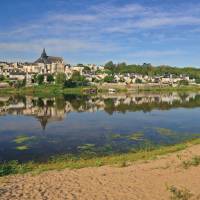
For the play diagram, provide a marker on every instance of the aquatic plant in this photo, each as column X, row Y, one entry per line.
column 136, row 136
column 23, row 138
column 86, row 147
column 74, row 162
column 22, row 148
column 165, row 131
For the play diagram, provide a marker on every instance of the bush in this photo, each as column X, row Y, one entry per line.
column 197, row 81
column 183, row 82
column 109, row 79
column 2, row 78
column 40, row 79
column 138, row 80
column 60, row 78
column 50, row 78
column 70, row 84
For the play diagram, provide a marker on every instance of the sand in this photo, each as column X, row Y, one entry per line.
column 139, row 181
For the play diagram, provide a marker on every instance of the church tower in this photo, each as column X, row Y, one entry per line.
column 44, row 54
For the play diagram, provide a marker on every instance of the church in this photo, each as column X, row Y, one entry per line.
column 45, row 65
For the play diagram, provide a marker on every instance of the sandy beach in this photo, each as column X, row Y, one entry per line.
column 138, row 181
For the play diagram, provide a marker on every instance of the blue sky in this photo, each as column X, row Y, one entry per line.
column 94, row 31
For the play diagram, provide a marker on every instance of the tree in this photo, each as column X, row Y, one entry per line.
column 138, row 80
column 109, row 79
column 20, row 83
column 110, row 65
column 40, row 79
column 70, row 84
column 60, row 78
column 183, row 82
column 123, row 64
column 78, row 79
column 50, row 78
column 2, row 78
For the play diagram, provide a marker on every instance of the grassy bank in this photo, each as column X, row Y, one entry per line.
column 54, row 90
column 189, row 88
column 43, row 90
column 72, row 162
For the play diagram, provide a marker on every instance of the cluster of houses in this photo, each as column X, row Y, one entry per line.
column 52, row 65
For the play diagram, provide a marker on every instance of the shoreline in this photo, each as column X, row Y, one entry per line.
column 73, row 162
column 54, row 90
column 174, row 175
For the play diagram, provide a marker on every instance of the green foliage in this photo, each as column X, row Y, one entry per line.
column 197, row 81
column 86, row 69
column 60, row 78
column 183, row 82
column 109, row 79
column 77, row 77
column 2, row 78
column 65, row 161
column 23, row 138
column 148, row 69
column 50, row 78
column 22, row 148
column 123, row 64
column 20, row 84
column 77, row 80
column 40, row 79
column 165, row 131
column 138, row 80
column 13, row 167
column 70, row 84
column 110, row 66
column 195, row 161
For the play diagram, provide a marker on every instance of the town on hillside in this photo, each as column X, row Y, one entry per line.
column 46, row 68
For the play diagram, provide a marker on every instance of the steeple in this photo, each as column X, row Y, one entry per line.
column 44, row 55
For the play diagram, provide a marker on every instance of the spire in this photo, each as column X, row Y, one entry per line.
column 44, row 54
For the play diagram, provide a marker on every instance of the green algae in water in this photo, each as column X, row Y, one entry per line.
column 116, row 136
column 138, row 136
column 22, row 139
column 135, row 136
column 165, row 131
column 86, row 147
column 22, row 148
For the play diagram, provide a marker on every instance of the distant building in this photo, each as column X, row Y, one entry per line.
column 46, row 65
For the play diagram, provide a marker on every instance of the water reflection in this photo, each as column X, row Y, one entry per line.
column 48, row 110
column 33, row 128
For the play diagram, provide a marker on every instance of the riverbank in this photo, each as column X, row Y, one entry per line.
column 169, row 176
column 75, row 162
column 54, row 90
column 43, row 90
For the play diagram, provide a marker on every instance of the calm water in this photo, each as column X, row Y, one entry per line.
column 34, row 128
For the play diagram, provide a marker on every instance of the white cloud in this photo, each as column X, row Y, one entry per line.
column 156, row 53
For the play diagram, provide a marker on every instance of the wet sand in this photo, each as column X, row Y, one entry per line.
column 139, row 181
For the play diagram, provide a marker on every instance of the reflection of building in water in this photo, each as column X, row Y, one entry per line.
column 48, row 110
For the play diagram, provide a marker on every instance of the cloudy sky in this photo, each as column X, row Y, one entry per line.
column 95, row 31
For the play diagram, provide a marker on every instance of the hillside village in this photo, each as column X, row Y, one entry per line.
column 46, row 68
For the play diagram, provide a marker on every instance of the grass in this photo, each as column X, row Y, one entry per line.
column 72, row 162
column 43, row 90
column 180, row 194
column 195, row 161
column 53, row 90
column 170, row 88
